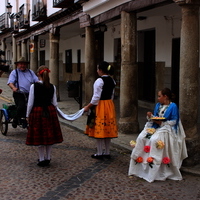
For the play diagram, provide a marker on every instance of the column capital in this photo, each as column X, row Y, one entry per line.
column 54, row 30
column 187, row 2
column 85, row 20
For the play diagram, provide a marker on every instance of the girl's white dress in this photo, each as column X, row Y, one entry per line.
column 166, row 147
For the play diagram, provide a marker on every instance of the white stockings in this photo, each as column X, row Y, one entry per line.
column 42, row 149
column 100, row 143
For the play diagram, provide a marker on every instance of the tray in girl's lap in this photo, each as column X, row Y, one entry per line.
column 158, row 118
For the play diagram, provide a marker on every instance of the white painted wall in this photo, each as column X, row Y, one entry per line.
column 74, row 43
column 94, row 7
column 113, row 31
column 166, row 29
column 50, row 9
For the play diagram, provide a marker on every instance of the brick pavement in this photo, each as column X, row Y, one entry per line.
column 73, row 174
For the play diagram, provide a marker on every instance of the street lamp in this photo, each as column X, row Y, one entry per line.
column 14, row 18
column 9, row 8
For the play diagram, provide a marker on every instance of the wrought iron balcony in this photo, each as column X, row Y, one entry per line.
column 39, row 11
column 63, row 3
column 39, row 14
column 80, row 1
column 14, row 23
column 4, row 22
column 23, row 17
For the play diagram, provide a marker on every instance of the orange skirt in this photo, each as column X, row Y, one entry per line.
column 105, row 125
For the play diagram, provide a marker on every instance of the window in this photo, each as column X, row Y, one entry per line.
column 68, row 61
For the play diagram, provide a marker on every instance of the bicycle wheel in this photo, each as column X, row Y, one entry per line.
column 3, row 123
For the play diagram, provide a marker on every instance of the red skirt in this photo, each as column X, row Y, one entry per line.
column 105, row 125
column 44, row 129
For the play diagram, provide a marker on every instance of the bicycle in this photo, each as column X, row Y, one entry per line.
column 7, row 113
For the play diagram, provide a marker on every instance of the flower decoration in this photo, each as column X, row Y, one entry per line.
column 166, row 160
column 139, row 160
column 133, row 143
column 160, row 144
column 150, row 132
column 150, row 161
column 147, row 149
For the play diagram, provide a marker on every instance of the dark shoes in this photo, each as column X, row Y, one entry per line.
column 43, row 163
column 22, row 122
column 47, row 162
column 107, row 156
column 14, row 123
column 100, row 157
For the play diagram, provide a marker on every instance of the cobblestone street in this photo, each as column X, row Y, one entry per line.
column 74, row 175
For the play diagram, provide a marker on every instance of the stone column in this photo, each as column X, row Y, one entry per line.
column 189, row 78
column 3, row 44
column 34, row 53
column 160, row 66
column 14, row 50
column 19, row 50
column 128, row 122
column 3, row 48
column 90, row 64
column 24, row 49
column 54, row 37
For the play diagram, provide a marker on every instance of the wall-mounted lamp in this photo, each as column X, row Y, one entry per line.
column 13, row 15
column 9, row 8
column 103, row 28
column 14, row 23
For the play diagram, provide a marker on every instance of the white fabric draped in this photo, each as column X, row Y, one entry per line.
column 70, row 117
column 175, row 149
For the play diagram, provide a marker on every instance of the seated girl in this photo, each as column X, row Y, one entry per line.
column 160, row 148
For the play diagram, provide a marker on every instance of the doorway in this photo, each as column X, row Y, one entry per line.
column 146, row 65
column 42, row 57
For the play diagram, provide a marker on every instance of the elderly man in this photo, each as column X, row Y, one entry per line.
column 20, row 81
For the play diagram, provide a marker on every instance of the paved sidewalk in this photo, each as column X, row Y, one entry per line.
column 70, row 106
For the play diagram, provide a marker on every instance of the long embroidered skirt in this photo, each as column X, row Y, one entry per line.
column 44, row 129
column 103, row 124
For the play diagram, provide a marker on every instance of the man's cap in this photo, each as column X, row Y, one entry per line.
column 22, row 60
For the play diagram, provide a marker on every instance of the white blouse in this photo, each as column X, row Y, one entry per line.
column 97, row 90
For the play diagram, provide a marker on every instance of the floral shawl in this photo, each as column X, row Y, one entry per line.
column 172, row 113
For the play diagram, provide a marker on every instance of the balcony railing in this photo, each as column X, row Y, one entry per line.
column 4, row 22
column 23, row 17
column 62, row 3
column 39, row 11
column 80, row 1
column 14, row 23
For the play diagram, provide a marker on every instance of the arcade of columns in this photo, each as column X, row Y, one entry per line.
column 189, row 70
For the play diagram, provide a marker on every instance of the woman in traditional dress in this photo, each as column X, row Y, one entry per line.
column 44, row 128
column 101, row 122
column 160, row 148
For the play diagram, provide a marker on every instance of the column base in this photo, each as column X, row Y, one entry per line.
column 193, row 146
column 125, row 126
